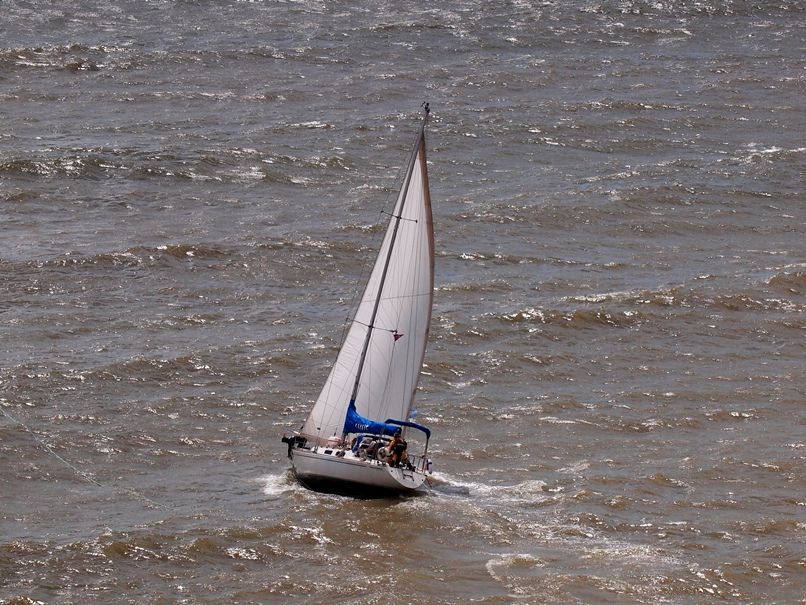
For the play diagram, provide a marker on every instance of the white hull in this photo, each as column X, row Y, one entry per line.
column 352, row 475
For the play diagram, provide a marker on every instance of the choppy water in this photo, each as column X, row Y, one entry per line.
column 616, row 375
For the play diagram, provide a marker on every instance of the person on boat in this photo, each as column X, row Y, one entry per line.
column 372, row 448
column 397, row 448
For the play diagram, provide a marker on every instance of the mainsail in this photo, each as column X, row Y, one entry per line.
column 399, row 295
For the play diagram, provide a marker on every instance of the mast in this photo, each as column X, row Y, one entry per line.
column 397, row 219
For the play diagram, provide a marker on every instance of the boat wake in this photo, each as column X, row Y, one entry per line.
column 278, row 484
column 526, row 491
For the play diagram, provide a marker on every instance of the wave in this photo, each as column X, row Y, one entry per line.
column 626, row 105
column 309, row 243
column 127, row 57
column 680, row 10
column 217, row 165
column 771, row 527
column 188, row 250
column 131, row 257
column 145, row 370
column 89, row 167
column 279, row 484
column 686, row 297
column 792, row 282
column 494, row 286
column 755, row 155
column 631, row 210
column 576, row 319
column 72, row 57
column 532, row 490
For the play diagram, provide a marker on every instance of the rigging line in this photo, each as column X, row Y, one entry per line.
column 86, row 476
column 361, row 323
column 402, row 218
column 399, row 297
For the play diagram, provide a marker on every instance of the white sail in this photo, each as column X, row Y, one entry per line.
column 398, row 338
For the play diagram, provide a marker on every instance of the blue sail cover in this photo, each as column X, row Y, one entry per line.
column 356, row 423
column 414, row 425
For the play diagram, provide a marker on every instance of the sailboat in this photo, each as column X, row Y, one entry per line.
column 355, row 438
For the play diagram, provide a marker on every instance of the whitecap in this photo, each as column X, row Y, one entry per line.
column 276, row 485
column 510, row 560
column 526, row 491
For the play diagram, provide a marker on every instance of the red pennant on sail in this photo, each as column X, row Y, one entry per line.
column 397, row 336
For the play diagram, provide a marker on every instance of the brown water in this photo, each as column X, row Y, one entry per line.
column 615, row 379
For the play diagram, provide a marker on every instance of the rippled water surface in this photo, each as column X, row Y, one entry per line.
column 189, row 197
